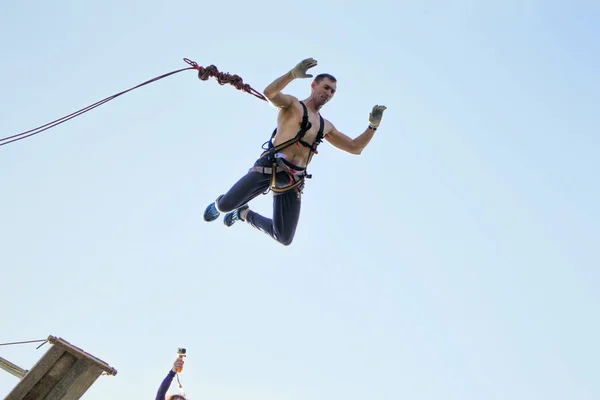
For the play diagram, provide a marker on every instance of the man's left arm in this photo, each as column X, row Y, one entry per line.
column 357, row 145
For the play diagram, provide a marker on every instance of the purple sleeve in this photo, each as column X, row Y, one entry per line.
column 164, row 386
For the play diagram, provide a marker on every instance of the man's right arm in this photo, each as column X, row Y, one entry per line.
column 273, row 91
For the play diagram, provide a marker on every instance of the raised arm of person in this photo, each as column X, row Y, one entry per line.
column 166, row 383
column 358, row 144
column 273, row 91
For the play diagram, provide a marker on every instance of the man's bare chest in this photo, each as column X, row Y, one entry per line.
column 292, row 127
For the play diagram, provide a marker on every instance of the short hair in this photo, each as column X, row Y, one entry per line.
column 176, row 397
column 320, row 77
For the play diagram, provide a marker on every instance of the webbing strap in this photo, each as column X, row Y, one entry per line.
column 273, row 170
column 305, row 125
column 284, row 189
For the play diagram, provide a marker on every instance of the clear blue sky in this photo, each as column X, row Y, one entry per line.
column 456, row 258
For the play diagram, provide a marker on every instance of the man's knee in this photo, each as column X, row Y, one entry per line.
column 285, row 238
column 286, row 241
column 224, row 204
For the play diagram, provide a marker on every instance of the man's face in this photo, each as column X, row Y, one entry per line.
column 323, row 91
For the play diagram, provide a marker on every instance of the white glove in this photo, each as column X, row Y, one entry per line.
column 299, row 71
column 376, row 115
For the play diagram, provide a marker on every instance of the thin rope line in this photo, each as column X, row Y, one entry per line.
column 24, row 342
column 204, row 73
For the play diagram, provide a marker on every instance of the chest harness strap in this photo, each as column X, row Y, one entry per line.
column 271, row 150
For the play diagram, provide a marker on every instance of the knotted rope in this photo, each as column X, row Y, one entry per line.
column 204, row 73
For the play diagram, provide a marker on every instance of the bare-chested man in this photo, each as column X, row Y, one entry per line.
column 282, row 167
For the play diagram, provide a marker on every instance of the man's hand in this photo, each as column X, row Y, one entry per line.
column 376, row 115
column 178, row 365
column 299, row 71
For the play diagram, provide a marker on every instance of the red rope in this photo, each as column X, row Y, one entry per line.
column 224, row 78
column 203, row 74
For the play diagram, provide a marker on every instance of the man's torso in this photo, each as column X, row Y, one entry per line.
column 288, row 125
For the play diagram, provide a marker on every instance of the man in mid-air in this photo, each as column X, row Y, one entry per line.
column 281, row 168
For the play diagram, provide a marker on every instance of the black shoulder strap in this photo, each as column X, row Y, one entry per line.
column 321, row 128
column 305, row 125
column 320, row 135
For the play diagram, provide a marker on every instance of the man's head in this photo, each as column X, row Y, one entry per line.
column 176, row 397
column 323, row 89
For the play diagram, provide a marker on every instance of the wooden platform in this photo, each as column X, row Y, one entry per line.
column 65, row 372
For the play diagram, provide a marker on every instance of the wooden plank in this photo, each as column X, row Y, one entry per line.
column 83, row 383
column 37, row 372
column 81, row 353
column 52, row 377
column 76, row 381
column 65, row 372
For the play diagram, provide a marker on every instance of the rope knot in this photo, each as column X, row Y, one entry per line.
column 194, row 64
column 223, row 78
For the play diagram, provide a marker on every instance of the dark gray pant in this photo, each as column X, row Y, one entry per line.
column 286, row 206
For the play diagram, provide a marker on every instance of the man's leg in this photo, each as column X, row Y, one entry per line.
column 286, row 214
column 245, row 189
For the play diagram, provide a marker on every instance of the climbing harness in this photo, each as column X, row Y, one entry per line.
column 204, row 73
column 279, row 164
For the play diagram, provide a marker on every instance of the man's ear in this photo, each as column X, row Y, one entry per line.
column 312, row 85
